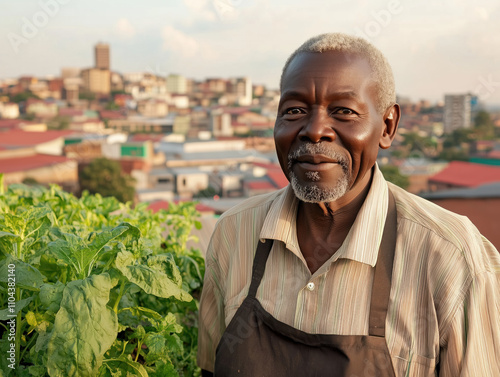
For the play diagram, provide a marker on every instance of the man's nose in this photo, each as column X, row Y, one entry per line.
column 318, row 128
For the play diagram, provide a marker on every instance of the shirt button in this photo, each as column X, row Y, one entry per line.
column 310, row 286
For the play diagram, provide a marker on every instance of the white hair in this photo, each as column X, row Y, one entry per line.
column 381, row 70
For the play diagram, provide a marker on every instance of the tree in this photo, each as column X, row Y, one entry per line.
column 393, row 175
column 86, row 95
column 414, row 142
column 208, row 192
column 22, row 97
column 59, row 123
column 483, row 125
column 105, row 177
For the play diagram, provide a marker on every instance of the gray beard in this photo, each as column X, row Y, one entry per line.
column 312, row 193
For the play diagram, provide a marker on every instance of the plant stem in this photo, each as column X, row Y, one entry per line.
column 139, row 347
column 19, row 254
column 18, row 329
column 2, row 191
column 28, row 346
column 120, row 294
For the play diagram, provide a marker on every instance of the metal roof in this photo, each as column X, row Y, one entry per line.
column 490, row 190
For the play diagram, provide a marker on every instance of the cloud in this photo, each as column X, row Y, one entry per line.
column 203, row 9
column 176, row 41
column 124, row 28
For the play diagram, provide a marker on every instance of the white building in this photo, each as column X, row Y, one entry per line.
column 176, row 84
column 9, row 110
column 458, row 111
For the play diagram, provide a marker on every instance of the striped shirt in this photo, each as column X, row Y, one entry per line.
column 444, row 310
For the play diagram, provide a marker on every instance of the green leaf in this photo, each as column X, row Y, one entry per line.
column 76, row 252
column 51, row 296
column 31, row 319
column 174, row 343
column 169, row 324
column 6, row 242
column 53, row 269
column 27, row 276
column 156, row 343
column 152, row 282
column 166, row 263
column 140, row 312
column 139, row 333
column 37, row 370
column 7, row 314
column 164, row 369
column 84, row 328
column 126, row 367
column 197, row 225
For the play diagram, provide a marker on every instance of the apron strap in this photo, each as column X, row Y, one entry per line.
column 259, row 265
column 381, row 288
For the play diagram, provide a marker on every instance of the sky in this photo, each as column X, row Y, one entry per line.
column 435, row 47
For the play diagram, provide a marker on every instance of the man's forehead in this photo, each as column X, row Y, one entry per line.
column 316, row 62
column 350, row 73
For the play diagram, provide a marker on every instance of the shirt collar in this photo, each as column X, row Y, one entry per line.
column 363, row 240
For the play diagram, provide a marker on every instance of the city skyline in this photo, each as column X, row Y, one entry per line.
column 435, row 48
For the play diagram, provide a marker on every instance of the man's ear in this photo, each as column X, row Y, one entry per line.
column 391, row 121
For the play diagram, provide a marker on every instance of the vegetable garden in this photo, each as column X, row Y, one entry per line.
column 99, row 289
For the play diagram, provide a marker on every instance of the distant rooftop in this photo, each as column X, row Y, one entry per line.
column 11, row 165
column 15, row 123
column 490, row 190
column 466, row 174
column 19, row 138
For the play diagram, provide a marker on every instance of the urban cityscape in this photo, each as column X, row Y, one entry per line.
column 177, row 139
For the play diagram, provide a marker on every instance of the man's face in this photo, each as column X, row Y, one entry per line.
column 327, row 130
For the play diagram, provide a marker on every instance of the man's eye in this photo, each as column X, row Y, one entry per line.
column 344, row 111
column 293, row 111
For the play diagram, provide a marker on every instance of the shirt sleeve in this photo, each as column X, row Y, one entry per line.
column 473, row 338
column 211, row 324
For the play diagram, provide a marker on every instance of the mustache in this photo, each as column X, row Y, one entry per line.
column 312, row 149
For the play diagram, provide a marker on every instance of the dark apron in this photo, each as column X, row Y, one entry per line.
column 256, row 344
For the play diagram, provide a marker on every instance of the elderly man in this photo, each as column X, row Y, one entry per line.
column 341, row 273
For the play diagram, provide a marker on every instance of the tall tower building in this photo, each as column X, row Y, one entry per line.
column 102, row 56
column 458, row 110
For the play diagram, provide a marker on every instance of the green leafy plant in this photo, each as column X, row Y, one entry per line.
column 101, row 289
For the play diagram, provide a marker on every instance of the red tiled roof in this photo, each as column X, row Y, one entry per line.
column 123, row 96
column 267, row 166
column 229, row 138
column 260, row 185
column 11, row 165
column 162, row 204
column 146, row 137
column 494, row 154
column 467, row 174
column 274, row 173
column 70, row 112
column 25, row 138
column 278, row 178
column 111, row 114
column 14, row 123
column 254, row 124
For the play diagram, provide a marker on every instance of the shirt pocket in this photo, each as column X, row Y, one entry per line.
column 414, row 366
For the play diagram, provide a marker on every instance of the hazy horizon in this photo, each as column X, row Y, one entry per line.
column 435, row 47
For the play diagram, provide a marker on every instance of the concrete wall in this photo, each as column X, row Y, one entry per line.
column 64, row 174
column 484, row 213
